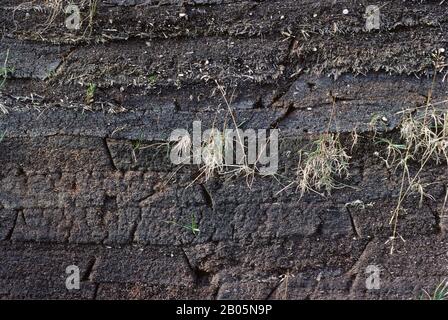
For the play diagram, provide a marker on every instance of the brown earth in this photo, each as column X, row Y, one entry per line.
column 71, row 191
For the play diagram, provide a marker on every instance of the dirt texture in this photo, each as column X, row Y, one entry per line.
column 75, row 189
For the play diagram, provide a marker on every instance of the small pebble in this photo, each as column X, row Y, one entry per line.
column 345, row 11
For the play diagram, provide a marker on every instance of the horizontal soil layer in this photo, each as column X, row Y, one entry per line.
column 85, row 173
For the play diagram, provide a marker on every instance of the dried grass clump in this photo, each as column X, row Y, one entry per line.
column 426, row 135
column 318, row 168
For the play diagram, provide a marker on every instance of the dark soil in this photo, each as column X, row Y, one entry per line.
column 71, row 191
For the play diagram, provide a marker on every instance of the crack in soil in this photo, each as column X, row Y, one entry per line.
column 208, row 197
column 353, row 223
column 89, row 269
column 109, row 154
column 11, row 231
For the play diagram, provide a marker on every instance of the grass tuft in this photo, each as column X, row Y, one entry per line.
column 317, row 168
column 440, row 292
column 5, row 71
column 90, row 93
column 192, row 226
column 426, row 135
column 2, row 136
